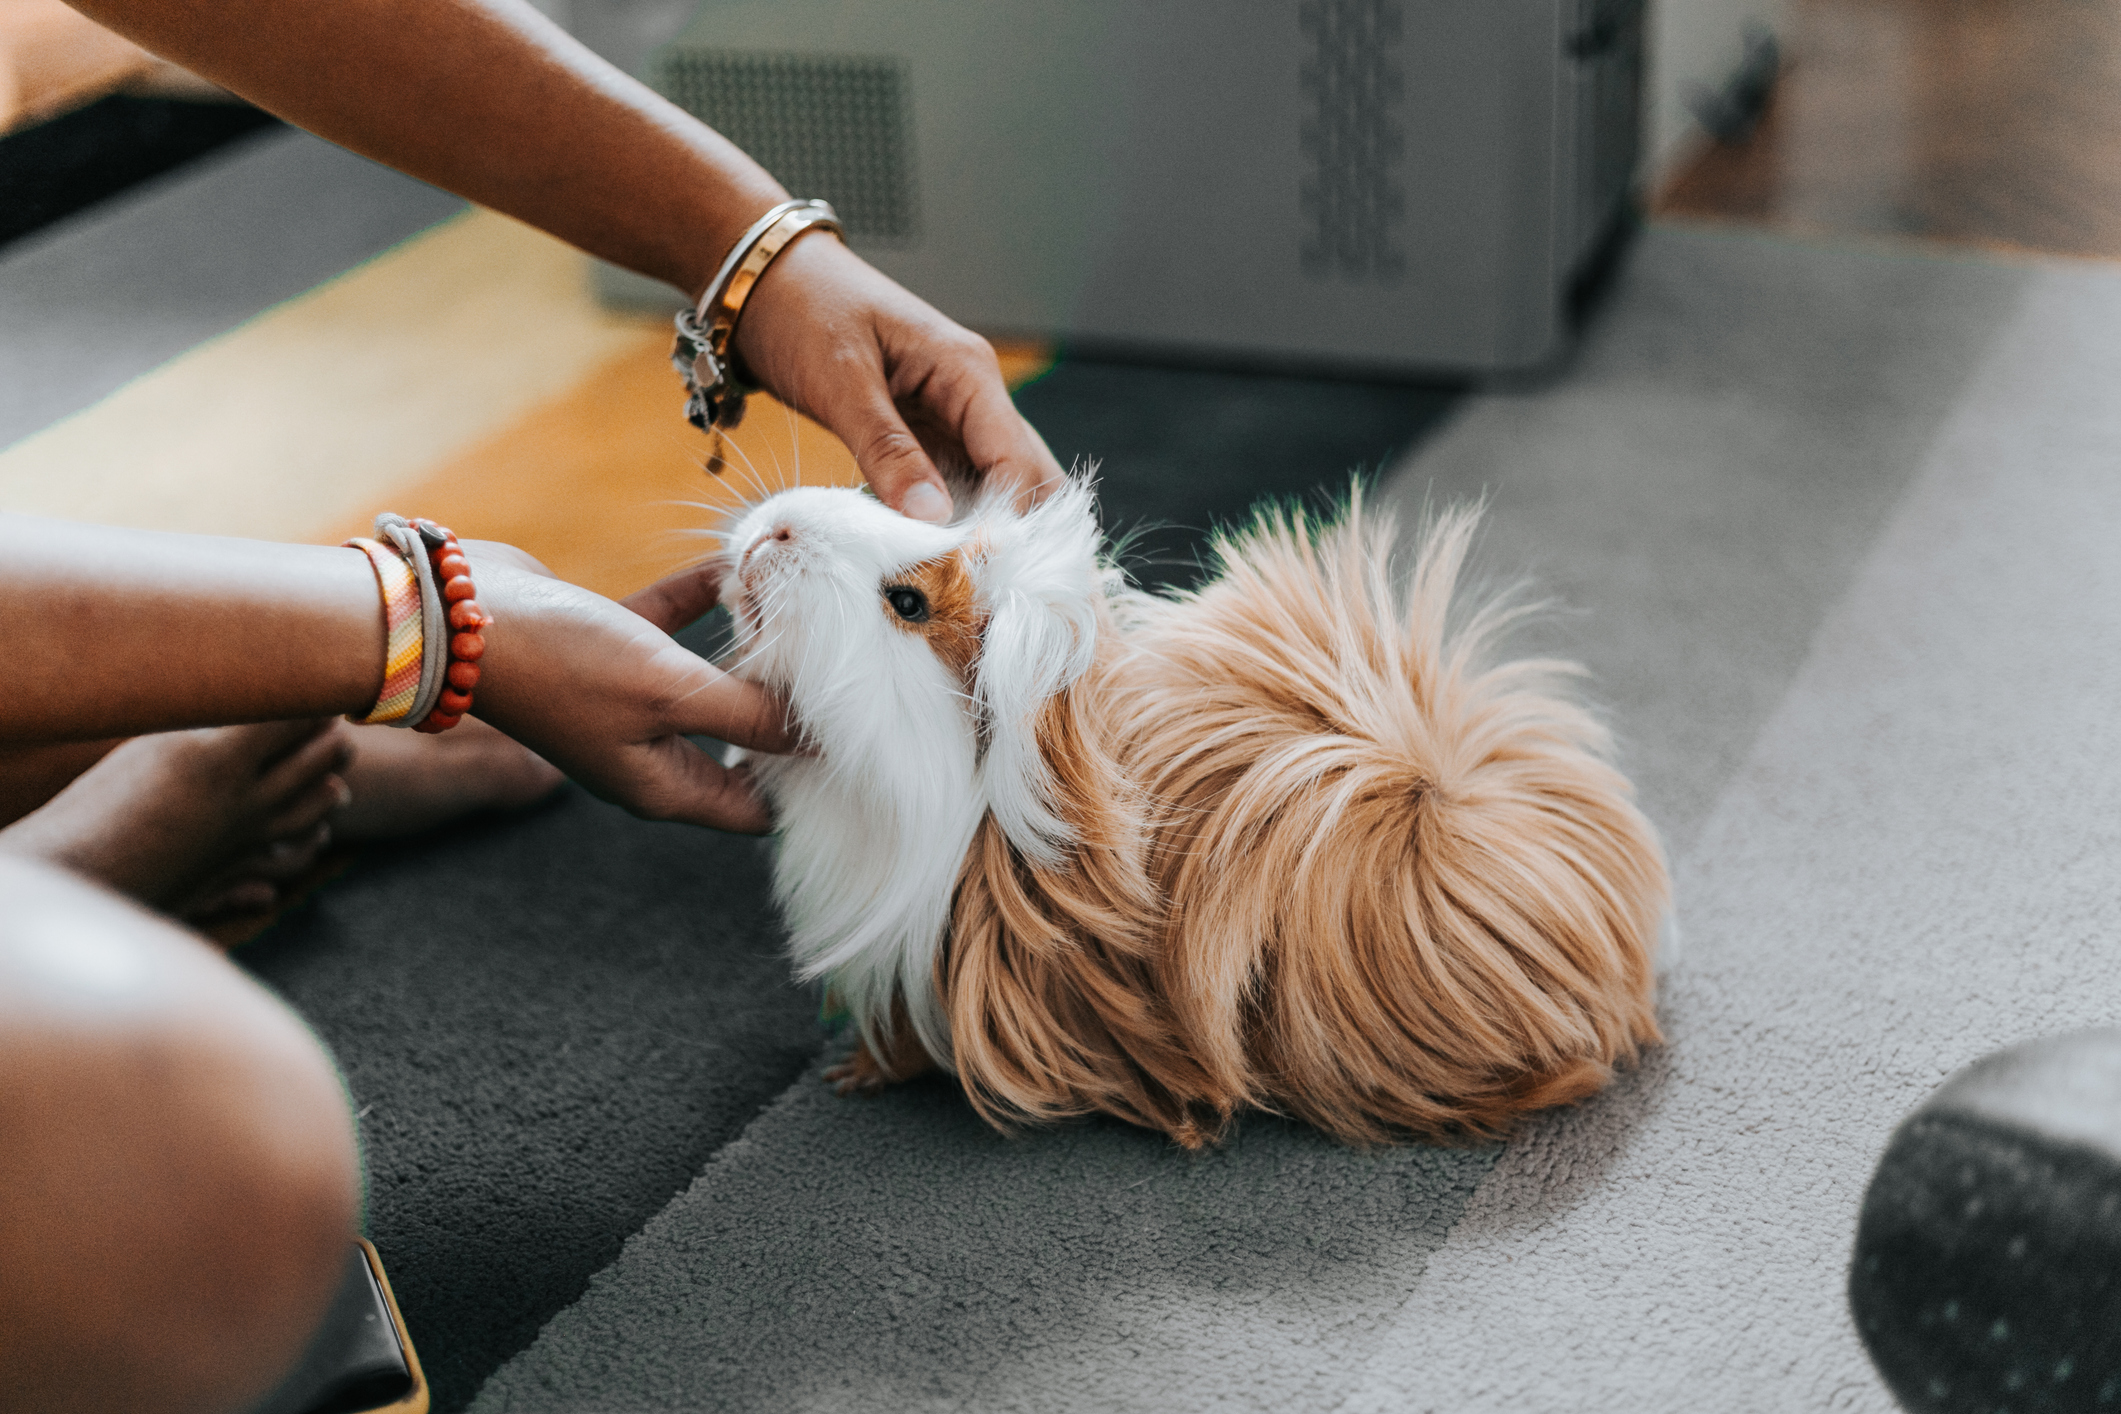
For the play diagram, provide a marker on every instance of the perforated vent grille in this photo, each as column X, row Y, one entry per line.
column 1353, row 83
column 829, row 127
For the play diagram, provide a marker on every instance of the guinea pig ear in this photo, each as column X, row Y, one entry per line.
column 1043, row 588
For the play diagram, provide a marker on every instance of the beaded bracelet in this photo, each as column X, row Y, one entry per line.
column 467, row 624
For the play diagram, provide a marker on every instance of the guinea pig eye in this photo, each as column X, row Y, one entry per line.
column 908, row 603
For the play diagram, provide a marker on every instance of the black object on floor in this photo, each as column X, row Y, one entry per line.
column 361, row 1361
column 77, row 159
column 1987, row 1271
column 551, row 1024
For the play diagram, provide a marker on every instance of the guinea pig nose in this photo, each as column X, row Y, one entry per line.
column 782, row 532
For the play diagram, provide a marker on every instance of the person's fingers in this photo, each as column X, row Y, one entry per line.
column 691, row 786
column 679, row 599
column 890, row 456
column 1008, row 450
column 735, row 711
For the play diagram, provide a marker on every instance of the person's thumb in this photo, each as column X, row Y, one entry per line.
column 893, row 463
column 680, row 599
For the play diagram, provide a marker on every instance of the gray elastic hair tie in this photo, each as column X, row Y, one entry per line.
column 434, row 618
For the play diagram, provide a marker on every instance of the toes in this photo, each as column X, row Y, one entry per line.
column 309, row 809
column 256, row 750
column 290, row 856
column 327, row 752
column 527, row 779
column 404, row 782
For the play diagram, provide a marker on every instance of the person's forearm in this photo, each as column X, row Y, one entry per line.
column 109, row 632
column 486, row 98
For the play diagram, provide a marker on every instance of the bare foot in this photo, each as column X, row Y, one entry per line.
column 218, row 825
column 197, row 822
column 405, row 781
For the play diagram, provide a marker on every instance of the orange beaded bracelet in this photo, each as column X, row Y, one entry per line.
column 467, row 624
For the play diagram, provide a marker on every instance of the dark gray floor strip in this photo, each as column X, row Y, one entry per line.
column 548, row 1025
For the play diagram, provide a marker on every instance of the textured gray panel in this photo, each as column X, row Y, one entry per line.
column 826, row 126
column 1366, row 182
column 1354, row 138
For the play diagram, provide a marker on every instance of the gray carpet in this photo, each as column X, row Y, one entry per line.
column 1918, row 860
column 1840, row 524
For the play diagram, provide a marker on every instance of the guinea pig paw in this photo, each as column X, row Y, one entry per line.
column 859, row 1074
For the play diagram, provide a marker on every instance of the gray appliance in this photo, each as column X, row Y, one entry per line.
column 1411, row 186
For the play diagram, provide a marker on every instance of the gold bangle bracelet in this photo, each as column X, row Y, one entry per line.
column 703, row 357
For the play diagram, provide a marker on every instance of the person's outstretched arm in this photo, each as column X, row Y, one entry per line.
column 118, row 632
column 494, row 102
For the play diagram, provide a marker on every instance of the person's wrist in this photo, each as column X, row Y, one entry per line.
column 517, row 599
column 703, row 248
column 806, row 291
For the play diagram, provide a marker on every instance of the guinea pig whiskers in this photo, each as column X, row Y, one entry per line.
column 780, row 473
column 750, row 468
column 697, row 531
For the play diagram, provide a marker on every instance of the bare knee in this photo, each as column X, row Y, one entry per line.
column 178, row 1180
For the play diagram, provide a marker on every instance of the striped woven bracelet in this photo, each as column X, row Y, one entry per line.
column 404, row 639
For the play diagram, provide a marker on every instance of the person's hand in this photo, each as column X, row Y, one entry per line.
column 902, row 386
column 600, row 690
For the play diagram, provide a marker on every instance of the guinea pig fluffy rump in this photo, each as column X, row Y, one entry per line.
column 1300, row 840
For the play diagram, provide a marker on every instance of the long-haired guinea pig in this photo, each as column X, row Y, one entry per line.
column 1297, row 841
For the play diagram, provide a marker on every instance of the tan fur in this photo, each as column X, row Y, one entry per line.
column 1333, row 860
column 1050, row 976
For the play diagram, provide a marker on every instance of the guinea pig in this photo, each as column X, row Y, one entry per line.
column 1300, row 840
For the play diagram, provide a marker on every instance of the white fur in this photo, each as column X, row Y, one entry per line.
column 875, row 825
column 1041, row 583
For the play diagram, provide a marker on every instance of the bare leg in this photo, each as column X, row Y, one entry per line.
column 32, row 775
column 178, row 1178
